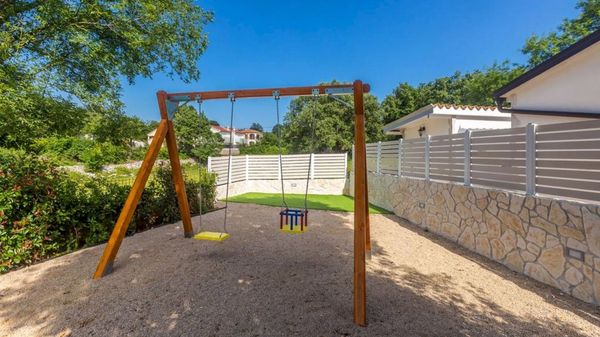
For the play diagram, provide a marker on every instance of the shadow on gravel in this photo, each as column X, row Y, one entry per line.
column 550, row 294
column 259, row 283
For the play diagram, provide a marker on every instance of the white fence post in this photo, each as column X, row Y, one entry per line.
column 378, row 161
column 530, row 159
column 280, row 167
column 400, row 157
column 209, row 164
column 427, row 142
column 352, row 158
column 467, row 168
column 312, row 166
column 247, row 166
column 346, row 164
column 229, row 169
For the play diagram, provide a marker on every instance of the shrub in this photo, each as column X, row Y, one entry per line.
column 45, row 211
column 262, row 149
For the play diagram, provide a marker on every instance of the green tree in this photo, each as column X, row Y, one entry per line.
column 323, row 124
column 474, row 88
column 540, row 48
column 194, row 136
column 277, row 128
column 62, row 59
column 269, row 144
column 82, row 48
column 26, row 117
column 257, row 127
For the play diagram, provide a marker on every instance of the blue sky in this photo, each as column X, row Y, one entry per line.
column 255, row 44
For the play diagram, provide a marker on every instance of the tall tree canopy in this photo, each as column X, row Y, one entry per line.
column 257, row 127
column 474, row 88
column 322, row 124
column 539, row 48
column 83, row 47
column 194, row 136
column 59, row 55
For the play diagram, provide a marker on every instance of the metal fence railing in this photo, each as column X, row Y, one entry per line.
column 555, row 159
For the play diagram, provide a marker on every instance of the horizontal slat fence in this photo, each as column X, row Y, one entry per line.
column 556, row 159
column 266, row 167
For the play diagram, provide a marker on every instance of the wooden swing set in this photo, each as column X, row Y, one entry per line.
column 168, row 104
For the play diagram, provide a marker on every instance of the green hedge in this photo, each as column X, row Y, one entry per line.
column 45, row 212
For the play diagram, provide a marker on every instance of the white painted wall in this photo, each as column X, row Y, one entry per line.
column 519, row 120
column 573, row 85
column 460, row 125
column 434, row 126
column 445, row 125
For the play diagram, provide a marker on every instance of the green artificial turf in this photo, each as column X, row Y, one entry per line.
column 315, row 201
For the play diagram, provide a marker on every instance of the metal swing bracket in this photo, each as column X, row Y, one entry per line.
column 276, row 94
column 172, row 107
column 339, row 91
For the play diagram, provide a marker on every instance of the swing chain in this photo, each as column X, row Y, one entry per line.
column 276, row 96
column 199, row 100
column 231, row 97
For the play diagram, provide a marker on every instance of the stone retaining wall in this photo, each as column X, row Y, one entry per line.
column 297, row 186
column 530, row 235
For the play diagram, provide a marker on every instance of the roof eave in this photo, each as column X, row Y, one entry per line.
column 553, row 61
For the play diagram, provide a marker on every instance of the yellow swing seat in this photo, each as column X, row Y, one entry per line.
column 211, row 236
column 295, row 230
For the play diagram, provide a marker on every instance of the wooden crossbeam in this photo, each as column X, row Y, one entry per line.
column 256, row 93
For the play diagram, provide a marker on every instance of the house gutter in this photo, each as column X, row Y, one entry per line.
column 501, row 100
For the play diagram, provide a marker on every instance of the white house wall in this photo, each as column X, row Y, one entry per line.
column 435, row 126
column 571, row 86
column 461, row 124
column 519, row 120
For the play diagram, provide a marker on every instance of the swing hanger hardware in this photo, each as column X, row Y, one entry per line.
column 276, row 94
column 316, row 92
column 231, row 96
column 339, row 91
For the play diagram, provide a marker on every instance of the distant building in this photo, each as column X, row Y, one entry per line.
column 564, row 88
column 238, row 138
column 445, row 119
column 251, row 136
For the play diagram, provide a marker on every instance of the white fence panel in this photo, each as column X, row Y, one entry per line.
column 388, row 163
column 446, row 157
column 330, row 165
column 568, row 160
column 498, row 158
column 372, row 157
column 413, row 158
column 266, row 167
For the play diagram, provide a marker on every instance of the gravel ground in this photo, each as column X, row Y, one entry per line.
column 263, row 283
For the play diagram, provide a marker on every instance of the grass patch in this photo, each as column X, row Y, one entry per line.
column 341, row 203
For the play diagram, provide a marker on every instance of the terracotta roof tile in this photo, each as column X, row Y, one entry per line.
column 464, row 107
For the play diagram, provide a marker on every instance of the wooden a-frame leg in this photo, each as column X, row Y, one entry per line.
column 178, row 181
column 368, row 218
column 114, row 242
column 360, row 209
